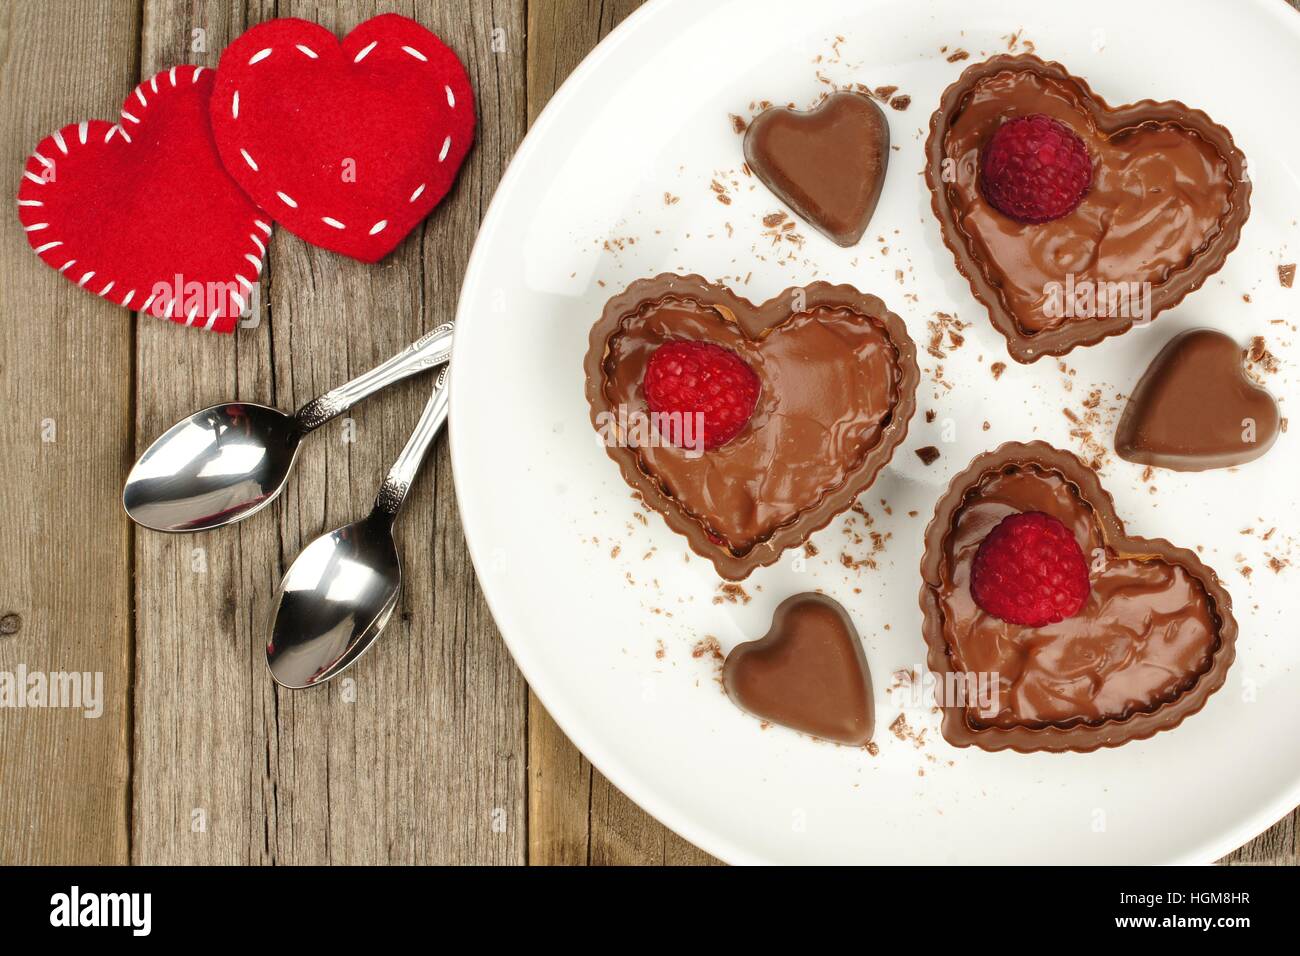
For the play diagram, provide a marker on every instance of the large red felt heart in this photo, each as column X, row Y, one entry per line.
column 142, row 211
column 347, row 145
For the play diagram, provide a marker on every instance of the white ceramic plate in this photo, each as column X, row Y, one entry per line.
column 606, row 638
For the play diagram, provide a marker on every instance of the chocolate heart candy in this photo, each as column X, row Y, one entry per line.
column 827, row 164
column 808, row 672
column 838, row 380
column 1195, row 408
column 1166, row 205
column 1152, row 643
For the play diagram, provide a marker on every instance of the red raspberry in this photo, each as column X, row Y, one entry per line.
column 1035, row 169
column 690, row 377
column 1029, row 570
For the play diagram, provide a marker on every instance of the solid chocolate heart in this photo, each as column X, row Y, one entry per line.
column 1152, row 643
column 1195, row 408
column 1168, row 198
column 827, row 164
column 838, row 380
column 808, row 672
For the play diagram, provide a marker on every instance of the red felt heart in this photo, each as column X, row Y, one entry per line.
column 142, row 212
column 347, row 145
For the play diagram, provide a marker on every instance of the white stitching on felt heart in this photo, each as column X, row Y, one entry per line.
column 82, row 132
column 382, row 224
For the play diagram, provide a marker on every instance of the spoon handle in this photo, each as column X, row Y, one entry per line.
column 398, row 482
column 431, row 349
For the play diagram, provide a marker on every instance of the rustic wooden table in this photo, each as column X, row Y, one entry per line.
column 436, row 752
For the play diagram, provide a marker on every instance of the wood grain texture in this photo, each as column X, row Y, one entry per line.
column 417, row 755
column 65, row 438
column 431, row 749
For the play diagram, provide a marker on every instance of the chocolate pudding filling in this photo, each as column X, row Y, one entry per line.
column 1151, row 643
column 1159, row 194
column 1145, row 636
column 1165, row 206
column 830, row 382
column 837, row 378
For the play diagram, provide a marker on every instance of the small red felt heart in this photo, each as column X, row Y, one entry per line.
column 142, row 212
column 346, row 145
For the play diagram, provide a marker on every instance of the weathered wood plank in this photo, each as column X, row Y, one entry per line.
column 197, row 596
column 417, row 755
column 1278, row 846
column 65, row 387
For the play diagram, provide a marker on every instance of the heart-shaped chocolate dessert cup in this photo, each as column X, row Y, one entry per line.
column 808, row 672
column 1195, row 408
column 838, row 376
column 1169, row 196
column 827, row 164
column 1153, row 641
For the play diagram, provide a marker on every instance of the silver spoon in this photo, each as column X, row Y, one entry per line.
column 341, row 590
column 229, row 461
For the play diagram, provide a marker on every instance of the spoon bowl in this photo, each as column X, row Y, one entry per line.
column 231, row 460
column 335, row 599
column 218, row 466
column 339, row 593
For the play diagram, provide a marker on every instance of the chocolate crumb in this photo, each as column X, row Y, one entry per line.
column 1259, row 355
column 901, row 103
column 928, row 455
column 902, row 731
column 738, row 125
column 1286, row 274
column 956, row 56
column 885, row 92
column 873, row 748
column 930, row 415
column 810, row 549
column 708, row 645
column 732, row 593
column 997, row 368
